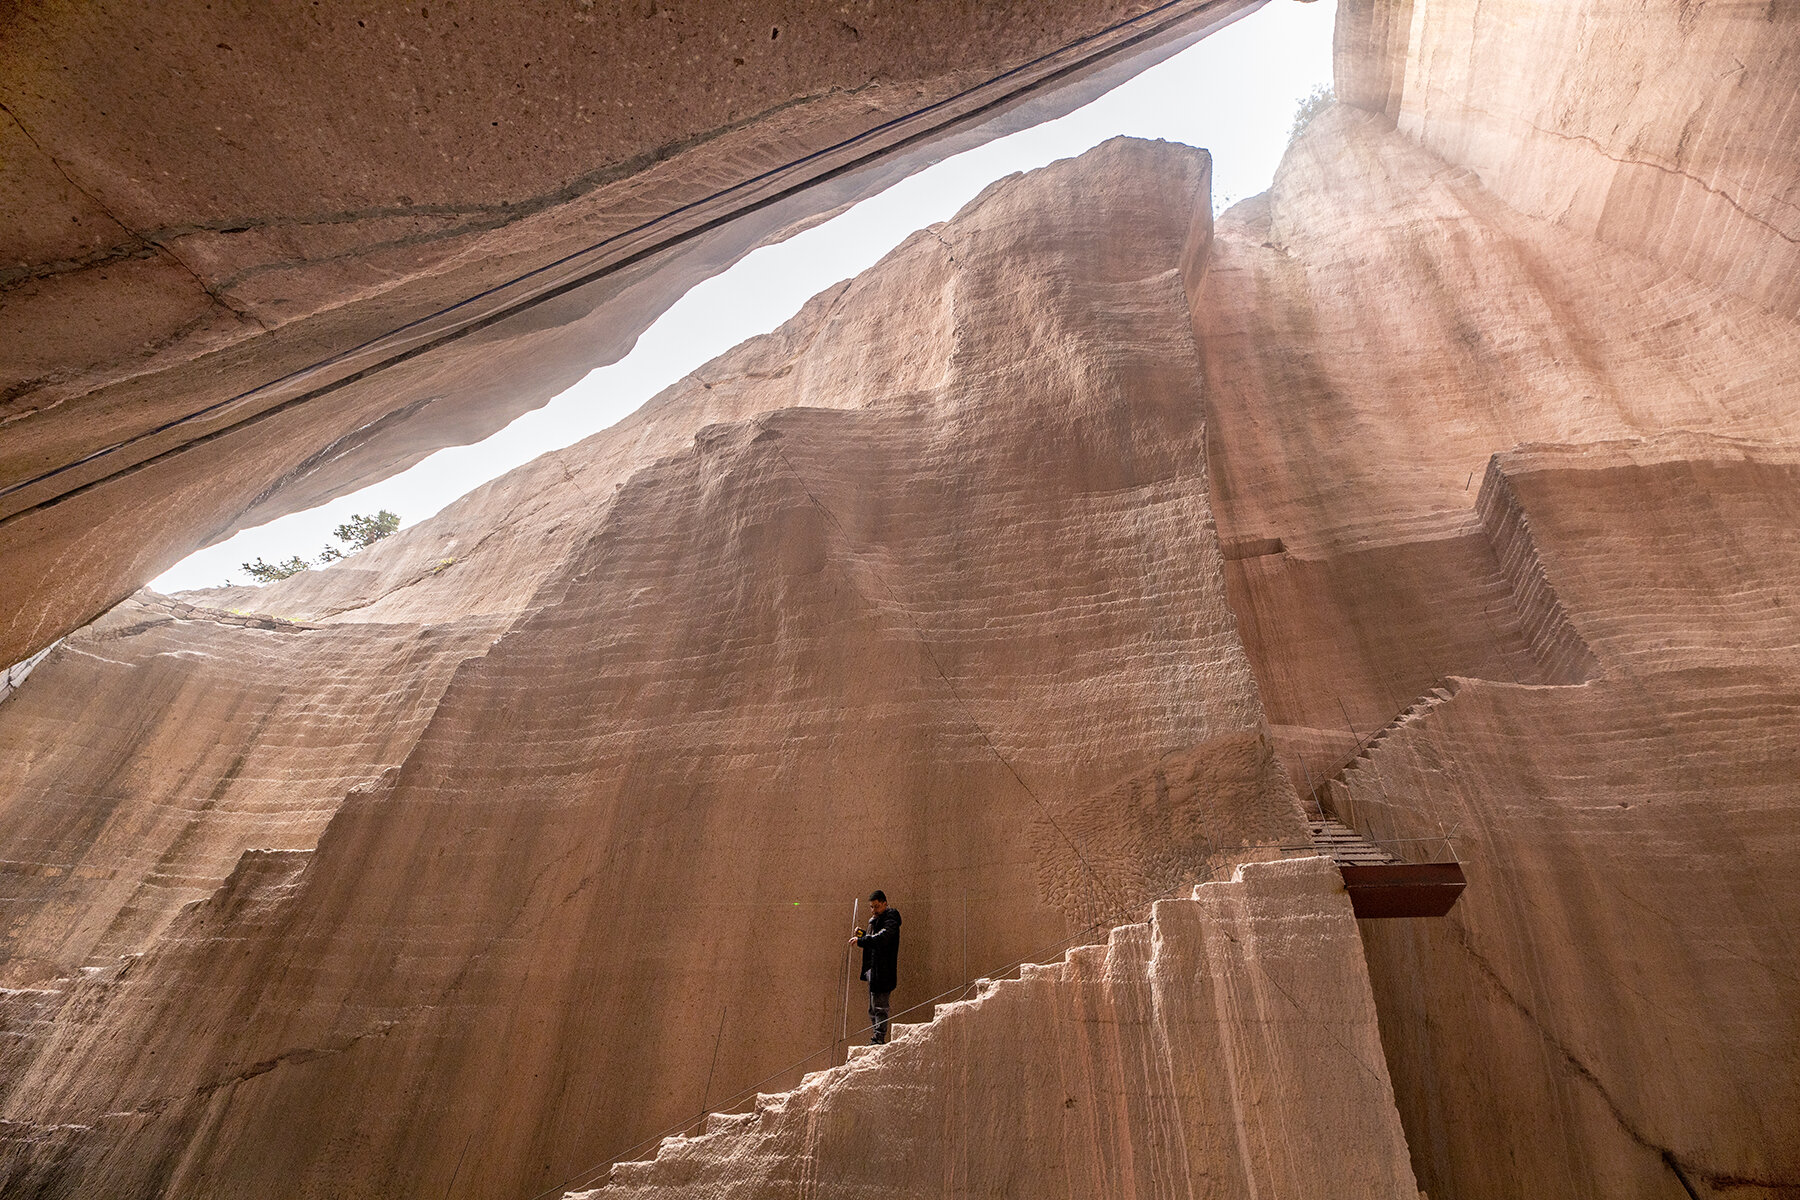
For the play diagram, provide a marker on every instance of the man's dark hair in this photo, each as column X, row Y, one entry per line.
column 878, row 894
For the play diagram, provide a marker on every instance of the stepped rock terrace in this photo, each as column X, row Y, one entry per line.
column 1096, row 569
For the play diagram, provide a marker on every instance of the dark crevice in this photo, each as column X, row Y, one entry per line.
column 141, row 246
column 1680, row 1176
column 12, row 278
column 1684, row 1173
column 1710, row 190
column 67, row 178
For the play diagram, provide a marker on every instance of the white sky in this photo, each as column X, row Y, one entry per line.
column 1234, row 93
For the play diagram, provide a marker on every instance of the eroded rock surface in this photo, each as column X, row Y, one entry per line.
column 1227, row 1047
column 1048, row 568
column 249, row 261
column 759, row 664
column 1632, row 842
column 1514, row 503
column 1665, row 129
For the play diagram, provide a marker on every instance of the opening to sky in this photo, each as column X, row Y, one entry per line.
column 1234, row 93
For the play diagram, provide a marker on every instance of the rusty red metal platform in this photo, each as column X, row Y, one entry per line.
column 1402, row 889
column 1381, row 885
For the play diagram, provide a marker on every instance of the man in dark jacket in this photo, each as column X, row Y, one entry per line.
column 880, row 961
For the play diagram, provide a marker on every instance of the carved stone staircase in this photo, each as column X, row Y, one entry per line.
column 1381, row 883
column 1412, row 714
column 1181, row 1057
column 1344, row 846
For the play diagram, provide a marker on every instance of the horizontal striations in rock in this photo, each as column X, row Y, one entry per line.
column 1227, row 1047
column 252, row 262
column 1667, row 552
column 490, row 550
column 1028, row 576
column 1509, row 516
column 115, row 815
column 1337, row 316
column 1669, row 130
column 1620, row 969
column 947, row 617
column 149, row 752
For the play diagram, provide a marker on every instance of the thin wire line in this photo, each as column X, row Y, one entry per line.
column 718, row 1037
column 477, row 324
column 591, row 1173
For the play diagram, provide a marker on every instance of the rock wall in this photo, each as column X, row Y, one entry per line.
column 1666, row 129
column 1377, row 292
column 160, row 746
column 1465, row 456
column 1033, row 575
column 239, row 732
column 1630, row 844
column 252, row 261
column 1227, row 1047
column 763, row 666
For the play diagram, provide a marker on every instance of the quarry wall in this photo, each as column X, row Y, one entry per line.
column 255, row 260
column 1039, row 575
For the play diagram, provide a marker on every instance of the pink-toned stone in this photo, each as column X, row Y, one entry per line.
column 788, row 637
column 1226, row 1048
column 249, row 262
column 1670, row 130
column 1032, row 575
column 1534, row 494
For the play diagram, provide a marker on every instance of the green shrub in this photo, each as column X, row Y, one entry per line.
column 264, row 572
column 1311, row 105
column 358, row 533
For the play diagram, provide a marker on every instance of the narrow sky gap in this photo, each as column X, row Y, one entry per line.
column 1234, row 93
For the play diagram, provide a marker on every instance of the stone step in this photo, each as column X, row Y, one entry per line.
column 727, row 1122
column 1090, row 960
column 1086, row 962
column 1128, row 948
column 783, row 1125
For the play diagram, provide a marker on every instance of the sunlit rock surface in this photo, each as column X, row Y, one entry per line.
column 1620, row 977
column 1225, row 1048
column 1667, row 129
column 170, row 740
column 1051, row 567
column 946, row 615
column 250, row 260
column 1534, row 496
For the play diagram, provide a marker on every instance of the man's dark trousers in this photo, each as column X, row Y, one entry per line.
column 878, row 1015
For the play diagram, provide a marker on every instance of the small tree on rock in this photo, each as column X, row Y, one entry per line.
column 264, row 572
column 1311, row 105
column 358, row 533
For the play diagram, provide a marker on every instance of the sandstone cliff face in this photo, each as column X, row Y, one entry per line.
column 1226, row 1047
column 1664, row 129
column 779, row 659
column 229, row 737
column 1586, row 640
column 1634, row 838
column 249, row 261
column 1373, row 332
column 1032, row 575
